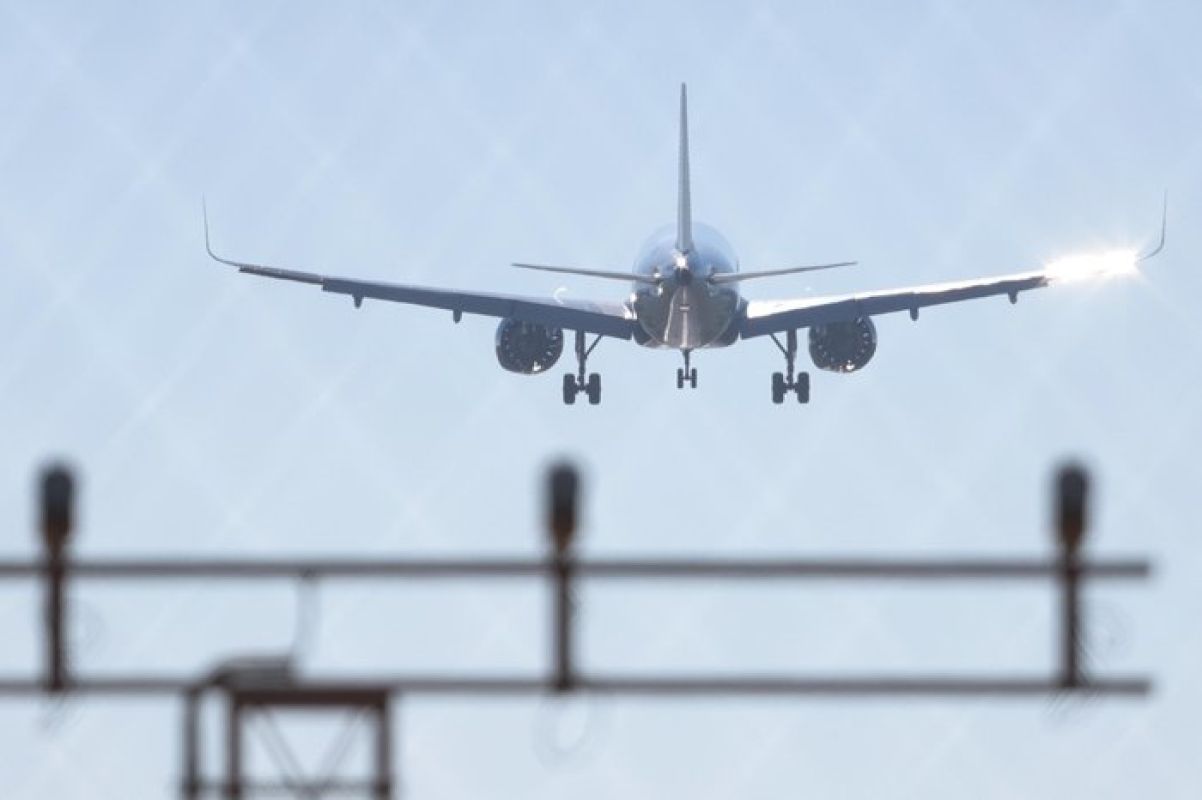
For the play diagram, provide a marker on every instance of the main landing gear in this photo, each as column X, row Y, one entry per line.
column 688, row 374
column 783, row 383
column 579, row 383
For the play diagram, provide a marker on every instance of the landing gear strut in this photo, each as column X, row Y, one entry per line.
column 783, row 383
column 688, row 374
column 581, row 382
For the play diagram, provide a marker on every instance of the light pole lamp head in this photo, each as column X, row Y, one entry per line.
column 1072, row 506
column 57, row 506
column 563, row 486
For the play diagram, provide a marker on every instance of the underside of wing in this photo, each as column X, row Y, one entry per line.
column 601, row 318
column 605, row 319
column 764, row 317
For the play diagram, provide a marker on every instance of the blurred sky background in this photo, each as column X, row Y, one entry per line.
column 436, row 142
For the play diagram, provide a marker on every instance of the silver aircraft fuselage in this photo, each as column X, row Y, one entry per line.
column 683, row 310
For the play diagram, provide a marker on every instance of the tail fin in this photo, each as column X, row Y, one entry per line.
column 684, row 212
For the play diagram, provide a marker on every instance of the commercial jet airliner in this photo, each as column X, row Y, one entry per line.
column 685, row 296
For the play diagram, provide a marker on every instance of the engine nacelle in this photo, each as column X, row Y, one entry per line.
column 843, row 346
column 527, row 347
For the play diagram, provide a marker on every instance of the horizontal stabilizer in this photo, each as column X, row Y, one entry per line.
column 591, row 273
column 736, row 277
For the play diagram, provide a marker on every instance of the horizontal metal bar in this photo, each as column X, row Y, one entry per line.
column 290, row 788
column 336, row 695
column 685, row 568
column 942, row 686
column 628, row 685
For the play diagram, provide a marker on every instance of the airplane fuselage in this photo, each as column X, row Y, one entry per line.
column 684, row 310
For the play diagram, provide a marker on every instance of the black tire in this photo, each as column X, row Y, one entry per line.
column 593, row 389
column 679, row 378
column 693, row 377
column 803, row 387
column 778, row 387
column 569, row 389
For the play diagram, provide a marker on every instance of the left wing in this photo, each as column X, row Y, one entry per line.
column 603, row 319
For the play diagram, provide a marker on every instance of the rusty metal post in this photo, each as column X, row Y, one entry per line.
column 1072, row 494
column 563, row 487
column 191, row 782
column 383, row 756
column 57, row 521
column 233, row 748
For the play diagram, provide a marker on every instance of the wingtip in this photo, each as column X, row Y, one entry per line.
column 204, row 214
column 1164, row 226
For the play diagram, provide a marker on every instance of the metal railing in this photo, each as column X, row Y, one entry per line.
column 251, row 687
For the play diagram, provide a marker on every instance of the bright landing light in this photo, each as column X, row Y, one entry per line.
column 1093, row 265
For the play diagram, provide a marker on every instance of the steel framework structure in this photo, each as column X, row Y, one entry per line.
column 250, row 689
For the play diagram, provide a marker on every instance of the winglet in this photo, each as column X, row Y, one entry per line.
column 1164, row 223
column 684, row 211
column 204, row 211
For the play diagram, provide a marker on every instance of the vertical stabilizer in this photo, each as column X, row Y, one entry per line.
column 684, row 212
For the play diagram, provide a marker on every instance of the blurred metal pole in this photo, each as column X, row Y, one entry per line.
column 563, row 487
column 384, row 774
column 1072, row 494
column 192, row 762
column 58, row 513
column 233, row 748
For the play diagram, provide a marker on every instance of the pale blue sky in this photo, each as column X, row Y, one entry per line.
column 434, row 143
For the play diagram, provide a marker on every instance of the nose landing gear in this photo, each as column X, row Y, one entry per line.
column 582, row 382
column 783, row 383
column 687, row 374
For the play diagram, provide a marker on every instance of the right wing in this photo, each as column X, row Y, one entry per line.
column 774, row 316
column 601, row 318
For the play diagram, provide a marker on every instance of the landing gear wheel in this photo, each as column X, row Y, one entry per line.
column 803, row 387
column 778, row 388
column 687, row 373
column 580, row 383
column 784, row 382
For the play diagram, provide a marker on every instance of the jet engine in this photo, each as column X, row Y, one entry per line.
column 527, row 347
column 843, row 346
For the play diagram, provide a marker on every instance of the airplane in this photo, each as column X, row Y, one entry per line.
column 685, row 296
